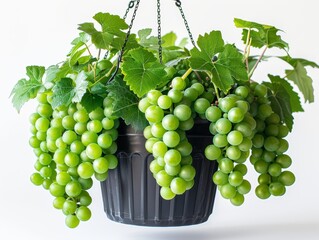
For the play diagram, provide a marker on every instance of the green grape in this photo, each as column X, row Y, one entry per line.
column 63, row 178
column 220, row 140
column 81, row 116
column 163, row 179
column 153, row 96
column 271, row 143
column 94, row 126
column 57, row 190
column 73, row 189
column 172, row 170
column 187, row 172
column 164, row 102
column 238, row 200
column 104, row 140
column 71, row 159
column 190, row 94
column 154, row 114
column 85, row 170
column 68, row 122
column 242, row 91
column 241, row 168
column 244, row 187
column 100, row 165
column 201, row 105
column 212, row 152
column 261, row 166
column 226, row 165
column 93, row 151
column 36, row 179
column 170, row 122
column 85, row 198
column 166, row 193
column 45, row 110
column 175, row 95
column 72, row 221
column 171, row 139
column 185, row 148
column 235, row 138
column 235, row 178
column 223, row 126
column 287, row 178
column 213, row 113
column 182, row 112
column 264, row 178
column 186, row 125
column 172, row 157
column 97, row 114
column 178, row 83
column 220, row 178
column 69, row 207
column 228, row 191
column 284, row 160
column 236, row 115
column 233, row 153
column 147, row 132
column 108, row 123
column 274, row 169
column 77, row 147
column 86, row 184
column 42, row 124
column 69, row 136
column 157, row 130
column 226, row 103
column 58, row 202
column 159, row 149
column 262, row 191
column 178, row 185
column 277, row 189
column 83, row 213
column 155, row 167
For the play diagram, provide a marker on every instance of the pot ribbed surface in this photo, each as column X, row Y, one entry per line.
column 131, row 195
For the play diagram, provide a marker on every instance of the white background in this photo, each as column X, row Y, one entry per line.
column 37, row 32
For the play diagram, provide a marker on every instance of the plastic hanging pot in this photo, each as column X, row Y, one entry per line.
column 131, row 195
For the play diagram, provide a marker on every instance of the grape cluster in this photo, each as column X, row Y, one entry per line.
column 170, row 114
column 269, row 147
column 243, row 126
column 72, row 146
column 232, row 128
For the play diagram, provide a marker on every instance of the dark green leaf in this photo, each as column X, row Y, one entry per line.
column 25, row 89
column 142, row 72
column 294, row 99
column 63, row 93
column 111, row 34
column 228, row 66
column 300, row 77
column 91, row 101
column 99, row 89
column 125, row 104
column 261, row 34
column 80, row 87
column 293, row 61
column 280, row 103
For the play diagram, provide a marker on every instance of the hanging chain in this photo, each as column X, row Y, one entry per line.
column 130, row 5
column 159, row 32
column 178, row 4
column 128, row 33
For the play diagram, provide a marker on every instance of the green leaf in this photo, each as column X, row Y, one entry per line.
column 51, row 73
column 80, row 87
column 98, row 88
column 125, row 104
column 91, row 101
column 24, row 90
column 169, row 39
column 74, row 58
column 111, row 34
column 228, row 66
column 142, row 72
column 146, row 40
column 300, row 77
column 294, row 99
column 63, row 93
column 293, row 61
column 260, row 34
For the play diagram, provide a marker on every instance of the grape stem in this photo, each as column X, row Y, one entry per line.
column 258, row 61
column 216, row 91
column 189, row 71
column 247, row 50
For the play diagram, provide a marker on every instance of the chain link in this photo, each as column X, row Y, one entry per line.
column 178, row 4
column 128, row 33
column 130, row 5
column 159, row 32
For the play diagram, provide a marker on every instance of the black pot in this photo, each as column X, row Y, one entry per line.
column 131, row 195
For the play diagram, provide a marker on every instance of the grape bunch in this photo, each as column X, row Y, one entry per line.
column 243, row 126
column 269, row 147
column 232, row 128
column 170, row 114
column 72, row 146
